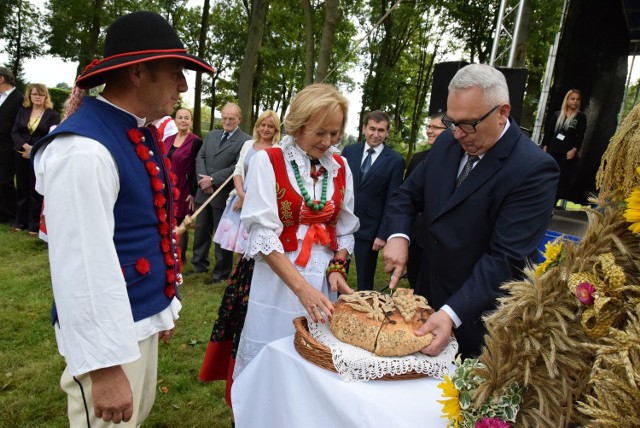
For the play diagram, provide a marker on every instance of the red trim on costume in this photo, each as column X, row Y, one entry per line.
column 291, row 211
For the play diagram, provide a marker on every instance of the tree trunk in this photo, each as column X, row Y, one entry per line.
column 332, row 16
column 422, row 88
column 90, row 51
column 309, row 61
column 15, row 64
column 254, row 40
column 213, row 103
column 523, row 36
column 197, row 99
column 383, row 60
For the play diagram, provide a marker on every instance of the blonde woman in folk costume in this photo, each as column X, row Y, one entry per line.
column 219, row 360
column 299, row 214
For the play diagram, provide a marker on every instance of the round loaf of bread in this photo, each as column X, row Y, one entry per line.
column 380, row 323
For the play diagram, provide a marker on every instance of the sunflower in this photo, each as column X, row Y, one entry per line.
column 552, row 256
column 451, row 404
column 632, row 213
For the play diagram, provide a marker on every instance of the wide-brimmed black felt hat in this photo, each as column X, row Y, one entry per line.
column 134, row 38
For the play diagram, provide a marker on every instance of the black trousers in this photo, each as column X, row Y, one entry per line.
column 207, row 223
column 7, row 183
column 28, row 201
column 366, row 262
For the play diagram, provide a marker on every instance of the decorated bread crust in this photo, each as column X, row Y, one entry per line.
column 380, row 323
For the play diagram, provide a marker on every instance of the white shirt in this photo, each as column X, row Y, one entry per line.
column 4, row 95
column 377, row 150
column 79, row 180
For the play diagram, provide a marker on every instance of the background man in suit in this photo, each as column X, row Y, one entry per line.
column 487, row 192
column 10, row 102
column 434, row 129
column 377, row 172
column 215, row 162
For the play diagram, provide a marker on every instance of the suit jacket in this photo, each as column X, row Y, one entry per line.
column 218, row 162
column 416, row 159
column 372, row 193
column 480, row 235
column 8, row 112
column 20, row 133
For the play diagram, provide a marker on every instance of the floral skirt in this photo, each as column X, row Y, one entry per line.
column 219, row 359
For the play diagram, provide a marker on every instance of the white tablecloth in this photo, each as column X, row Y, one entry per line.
column 281, row 389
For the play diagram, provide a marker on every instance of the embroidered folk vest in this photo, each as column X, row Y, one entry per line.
column 144, row 210
column 290, row 201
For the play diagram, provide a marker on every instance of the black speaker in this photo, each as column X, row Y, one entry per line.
column 443, row 72
column 516, row 81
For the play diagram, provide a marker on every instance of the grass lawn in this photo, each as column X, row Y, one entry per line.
column 31, row 366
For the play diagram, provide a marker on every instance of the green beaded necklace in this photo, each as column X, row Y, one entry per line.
column 305, row 195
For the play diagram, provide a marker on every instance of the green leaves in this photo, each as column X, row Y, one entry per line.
column 505, row 406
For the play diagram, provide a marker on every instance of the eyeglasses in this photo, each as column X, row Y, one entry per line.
column 435, row 127
column 468, row 128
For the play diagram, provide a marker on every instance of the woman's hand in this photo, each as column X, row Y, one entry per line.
column 26, row 154
column 191, row 203
column 572, row 153
column 338, row 283
column 237, row 205
column 317, row 304
column 313, row 301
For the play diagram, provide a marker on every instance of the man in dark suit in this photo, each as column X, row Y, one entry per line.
column 215, row 162
column 10, row 101
column 377, row 171
column 487, row 192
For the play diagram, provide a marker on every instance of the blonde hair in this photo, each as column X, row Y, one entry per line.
column 276, row 122
column 41, row 88
column 565, row 119
column 315, row 98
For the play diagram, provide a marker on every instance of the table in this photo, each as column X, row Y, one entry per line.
column 279, row 388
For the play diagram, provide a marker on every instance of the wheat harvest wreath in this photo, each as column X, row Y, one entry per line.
column 563, row 346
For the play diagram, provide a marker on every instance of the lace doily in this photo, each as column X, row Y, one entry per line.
column 356, row 364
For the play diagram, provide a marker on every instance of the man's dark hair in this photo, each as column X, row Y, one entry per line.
column 377, row 116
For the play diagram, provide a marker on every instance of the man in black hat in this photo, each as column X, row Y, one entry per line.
column 110, row 212
column 10, row 101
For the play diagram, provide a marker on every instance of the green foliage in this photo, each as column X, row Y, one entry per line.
column 631, row 100
column 68, row 33
column 224, row 50
column 474, row 23
column 58, row 97
column 20, row 28
column 467, row 381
